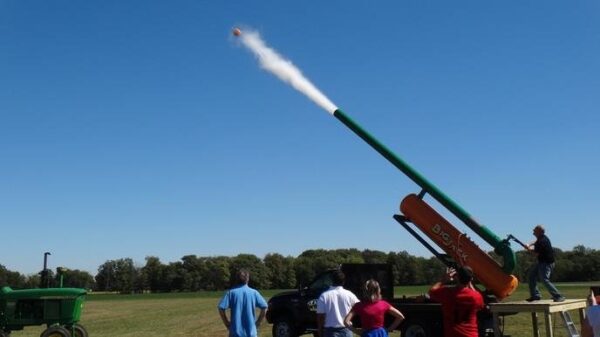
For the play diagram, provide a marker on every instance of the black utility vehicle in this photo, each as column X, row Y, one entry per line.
column 293, row 313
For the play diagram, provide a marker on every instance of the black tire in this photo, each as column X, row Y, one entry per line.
column 284, row 328
column 415, row 328
column 4, row 334
column 79, row 331
column 56, row 331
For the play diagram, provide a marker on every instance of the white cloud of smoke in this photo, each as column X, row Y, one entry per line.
column 271, row 61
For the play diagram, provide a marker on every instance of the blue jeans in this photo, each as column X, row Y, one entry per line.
column 542, row 272
column 337, row 332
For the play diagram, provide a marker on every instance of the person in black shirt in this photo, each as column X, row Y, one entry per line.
column 542, row 248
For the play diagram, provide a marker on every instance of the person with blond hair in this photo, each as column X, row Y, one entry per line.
column 372, row 310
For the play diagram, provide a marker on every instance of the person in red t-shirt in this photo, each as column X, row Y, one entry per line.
column 460, row 303
column 371, row 310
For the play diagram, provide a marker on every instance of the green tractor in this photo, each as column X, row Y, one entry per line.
column 58, row 308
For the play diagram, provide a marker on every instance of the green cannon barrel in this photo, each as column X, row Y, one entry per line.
column 501, row 247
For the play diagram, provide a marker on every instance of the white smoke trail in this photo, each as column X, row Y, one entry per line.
column 271, row 61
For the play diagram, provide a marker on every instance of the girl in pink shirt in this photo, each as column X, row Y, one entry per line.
column 371, row 310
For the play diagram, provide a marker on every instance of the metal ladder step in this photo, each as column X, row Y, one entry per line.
column 569, row 325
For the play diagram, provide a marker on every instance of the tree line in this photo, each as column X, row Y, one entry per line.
column 275, row 271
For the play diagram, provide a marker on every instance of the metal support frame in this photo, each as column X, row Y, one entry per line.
column 442, row 257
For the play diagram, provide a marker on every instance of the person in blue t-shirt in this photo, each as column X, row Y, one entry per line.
column 242, row 302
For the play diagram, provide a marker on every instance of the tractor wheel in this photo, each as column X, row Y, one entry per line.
column 79, row 331
column 56, row 331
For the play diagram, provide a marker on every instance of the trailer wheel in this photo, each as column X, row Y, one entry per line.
column 56, row 331
column 415, row 328
column 79, row 331
column 284, row 327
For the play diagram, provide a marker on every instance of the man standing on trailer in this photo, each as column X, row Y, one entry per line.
column 542, row 270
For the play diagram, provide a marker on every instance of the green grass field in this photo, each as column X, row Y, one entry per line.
column 195, row 314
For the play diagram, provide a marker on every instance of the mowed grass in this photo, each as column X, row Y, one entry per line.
column 195, row 314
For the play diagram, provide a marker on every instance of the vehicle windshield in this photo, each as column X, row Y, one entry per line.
column 322, row 282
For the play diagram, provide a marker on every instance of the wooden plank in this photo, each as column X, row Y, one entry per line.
column 538, row 306
column 548, row 320
column 534, row 323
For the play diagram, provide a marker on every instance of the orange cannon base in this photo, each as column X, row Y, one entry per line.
column 460, row 247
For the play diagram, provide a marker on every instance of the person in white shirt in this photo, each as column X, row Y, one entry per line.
column 591, row 324
column 332, row 306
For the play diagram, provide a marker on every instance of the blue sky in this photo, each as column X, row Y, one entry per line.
column 136, row 128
